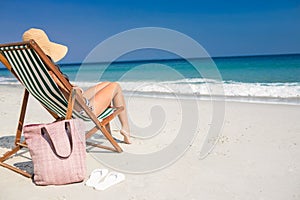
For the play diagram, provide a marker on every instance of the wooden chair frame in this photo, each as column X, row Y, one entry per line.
column 74, row 95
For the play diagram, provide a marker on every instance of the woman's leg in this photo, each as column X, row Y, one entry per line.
column 91, row 91
column 103, row 97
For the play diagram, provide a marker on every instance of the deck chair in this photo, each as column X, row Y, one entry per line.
column 32, row 67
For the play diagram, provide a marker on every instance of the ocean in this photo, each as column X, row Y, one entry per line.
column 266, row 79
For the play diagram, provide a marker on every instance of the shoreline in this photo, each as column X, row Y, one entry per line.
column 243, row 99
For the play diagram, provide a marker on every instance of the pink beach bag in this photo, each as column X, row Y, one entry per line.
column 58, row 151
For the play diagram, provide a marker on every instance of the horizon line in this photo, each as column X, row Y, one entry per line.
column 176, row 59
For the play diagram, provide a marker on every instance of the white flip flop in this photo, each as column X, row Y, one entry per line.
column 96, row 176
column 111, row 179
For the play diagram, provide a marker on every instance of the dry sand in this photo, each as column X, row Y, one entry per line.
column 257, row 155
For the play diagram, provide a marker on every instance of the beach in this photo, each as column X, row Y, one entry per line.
column 257, row 155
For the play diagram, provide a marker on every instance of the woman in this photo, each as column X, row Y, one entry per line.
column 100, row 96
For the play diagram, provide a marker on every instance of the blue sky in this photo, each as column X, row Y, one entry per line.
column 223, row 28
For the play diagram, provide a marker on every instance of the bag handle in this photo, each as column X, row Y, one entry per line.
column 46, row 135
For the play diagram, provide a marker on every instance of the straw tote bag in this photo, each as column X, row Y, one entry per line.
column 57, row 151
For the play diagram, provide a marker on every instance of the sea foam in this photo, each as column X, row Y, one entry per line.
column 199, row 87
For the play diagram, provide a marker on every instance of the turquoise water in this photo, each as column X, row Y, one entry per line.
column 251, row 69
column 275, row 76
column 260, row 69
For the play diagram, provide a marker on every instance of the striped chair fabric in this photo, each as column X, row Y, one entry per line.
column 34, row 75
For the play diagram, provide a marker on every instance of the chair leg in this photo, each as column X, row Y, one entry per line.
column 107, row 127
column 71, row 102
column 22, row 117
column 106, row 132
column 18, row 143
column 91, row 132
column 101, row 146
column 110, row 139
column 95, row 129
column 15, row 169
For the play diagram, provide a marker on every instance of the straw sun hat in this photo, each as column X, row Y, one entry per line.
column 54, row 50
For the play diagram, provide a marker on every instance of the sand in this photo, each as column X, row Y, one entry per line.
column 257, row 155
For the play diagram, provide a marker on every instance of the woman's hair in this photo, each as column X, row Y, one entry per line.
column 58, row 67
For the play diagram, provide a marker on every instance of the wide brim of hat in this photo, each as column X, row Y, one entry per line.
column 56, row 51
